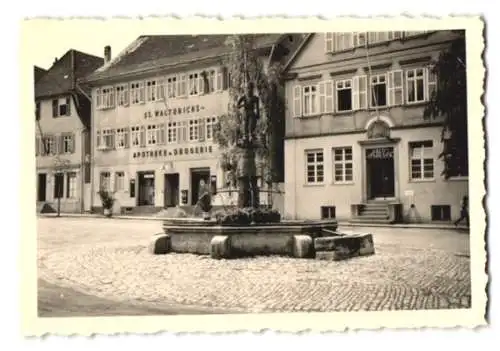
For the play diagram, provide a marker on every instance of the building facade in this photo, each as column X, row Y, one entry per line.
column 362, row 149
column 155, row 106
column 62, row 115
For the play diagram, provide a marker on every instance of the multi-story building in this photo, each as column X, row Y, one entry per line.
column 356, row 131
column 62, row 132
column 155, row 105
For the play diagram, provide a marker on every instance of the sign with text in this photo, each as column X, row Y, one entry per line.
column 381, row 153
column 173, row 111
column 192, row 150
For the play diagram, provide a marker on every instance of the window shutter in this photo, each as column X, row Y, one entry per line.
column 201, row 131
column 355, row 93
column 160, row 83
column 68, row 109
column 322, row 97
column 362, row 92
column 55, row 108
column 98, row 139
column 396, row 88
column 219, row 85
column 126, row 94
column 329, row 96
column 37, row 146
column 126, row 137
column 111, row 97
column 297, row 101
column 72, row 145
column 113, row 146
column 329, row 42
column 143, row 137
column 60, row 143
column 431, row 80
column 161, row 134
column 141, row 92
column 98, row 98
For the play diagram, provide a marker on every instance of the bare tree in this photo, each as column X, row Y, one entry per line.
column 60, row 166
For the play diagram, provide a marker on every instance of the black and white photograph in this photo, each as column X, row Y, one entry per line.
column 263, row 172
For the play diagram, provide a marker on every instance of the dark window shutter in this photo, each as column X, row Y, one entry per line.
column 37, row 146
column 55, row 108
column 143, row 136
column 68, row 108
column 73, row 143
column 226, row 78
column 126, row 136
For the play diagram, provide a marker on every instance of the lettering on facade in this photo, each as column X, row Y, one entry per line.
column 173, row 111
column 380, row 153
column 173, row 152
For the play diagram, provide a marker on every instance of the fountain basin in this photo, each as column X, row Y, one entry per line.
column 207, row 237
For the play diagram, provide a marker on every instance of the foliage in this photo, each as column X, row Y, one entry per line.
column 107, row 199
column 244, row 63
column 245, row 216
column 449, row 101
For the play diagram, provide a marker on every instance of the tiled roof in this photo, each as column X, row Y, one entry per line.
column 59, row 78
column 154, row 51
column 39, row 72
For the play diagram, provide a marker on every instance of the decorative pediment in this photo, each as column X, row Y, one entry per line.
column 378, row 129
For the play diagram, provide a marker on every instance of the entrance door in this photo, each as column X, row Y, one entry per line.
column 196, row 176
column 171, row 190
column 380, row 172
column 146, row 189
column 42, row 187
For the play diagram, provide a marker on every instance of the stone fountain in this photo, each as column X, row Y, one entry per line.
column 249, row 230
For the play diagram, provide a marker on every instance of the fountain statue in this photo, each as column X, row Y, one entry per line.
column 248, row 192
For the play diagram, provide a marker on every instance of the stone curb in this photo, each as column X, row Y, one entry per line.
column 343, row 224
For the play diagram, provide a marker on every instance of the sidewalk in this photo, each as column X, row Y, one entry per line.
column 441, row 226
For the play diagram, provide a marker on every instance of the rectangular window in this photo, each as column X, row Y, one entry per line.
column 105, row 181
column 209, row 127
column 122, row 95
column 415, row 88
column 441, row 212
column 344, row 41
column 359, row 39
column 71, row 185
column 107, row 138
column 209, row 78
column 49, row 145
column 58, row 185
column 151, row 91
column 68, row 144
column 193, row 84
column 310, row 100
column 135, row 136
column 422, row 160
column 342, row 164
column 119, row 181
column 344, row 95
column 171, row 87
column 378, row 90
column 136, row 93
column 314, row 167
column 327, row 212
column 105, row 98
column 194, row 130
column 172, row 130
column 155, row 134
column 121, row 138
column 61, row 107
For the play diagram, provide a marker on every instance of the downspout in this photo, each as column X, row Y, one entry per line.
column 270, row 165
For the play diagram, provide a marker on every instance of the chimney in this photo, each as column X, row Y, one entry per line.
column 107, row 54
column 55, row 61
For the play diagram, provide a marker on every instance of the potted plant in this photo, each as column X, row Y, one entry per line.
column 107, row 201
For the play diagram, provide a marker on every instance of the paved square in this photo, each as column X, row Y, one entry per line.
column 108, row 258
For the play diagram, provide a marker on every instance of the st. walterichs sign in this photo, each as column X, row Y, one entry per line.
column 173, row 111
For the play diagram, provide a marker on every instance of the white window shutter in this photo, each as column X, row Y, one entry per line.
column 219, row 81
column 329, row 42
column 355, row 93
column 395, row 88
column 98, row 97
column 362, row 92
column 431, row 80
column 322, row 97
column 297, row 101
column 329, row 91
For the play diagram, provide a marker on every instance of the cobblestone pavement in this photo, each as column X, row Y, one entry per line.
column 108, row 258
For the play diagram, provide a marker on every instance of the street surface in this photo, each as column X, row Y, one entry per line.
column 94, row 263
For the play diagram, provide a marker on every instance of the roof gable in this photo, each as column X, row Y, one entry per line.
column 60, row 78
column 38, row 72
